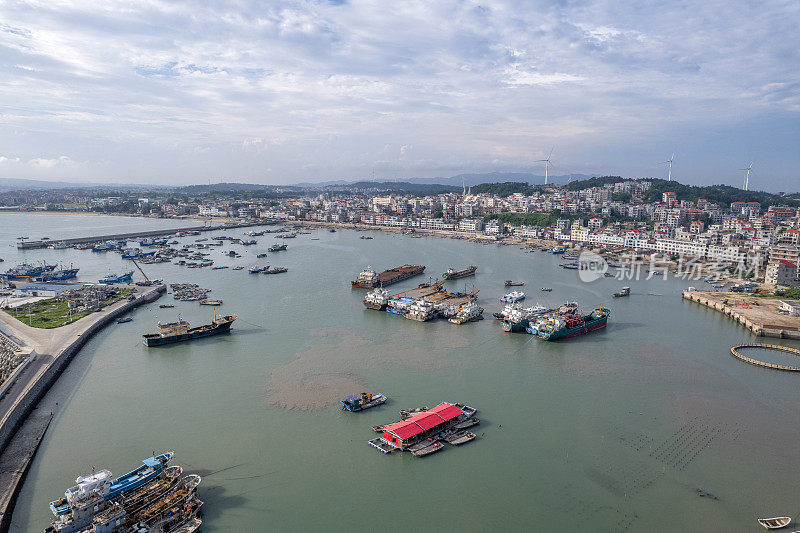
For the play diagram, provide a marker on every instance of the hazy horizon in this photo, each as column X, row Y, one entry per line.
column 186, row 92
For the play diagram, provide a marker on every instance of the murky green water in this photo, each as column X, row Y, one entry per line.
column 613, row 431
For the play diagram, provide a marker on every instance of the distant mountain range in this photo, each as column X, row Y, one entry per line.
column 467, row 180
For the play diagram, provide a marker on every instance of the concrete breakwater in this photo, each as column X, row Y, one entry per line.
column 32, row 388
column 753, row 313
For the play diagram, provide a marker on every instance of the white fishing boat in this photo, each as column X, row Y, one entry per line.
column 513, row 297
column 468, row 313
column 421, row 311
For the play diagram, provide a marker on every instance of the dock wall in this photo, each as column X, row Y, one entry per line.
column 34, row 393
column 760, row 330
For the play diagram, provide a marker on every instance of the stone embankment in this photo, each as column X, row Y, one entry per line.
column 759, row 315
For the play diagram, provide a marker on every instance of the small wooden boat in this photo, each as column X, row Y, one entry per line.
column 209, row 301
column 546, row 289
column 510, row 283
column 775, row 523
column 238, row 268
column 408, row 413
column 467, row 423
column 166, row 306
column 460, row 437
column 124, row 320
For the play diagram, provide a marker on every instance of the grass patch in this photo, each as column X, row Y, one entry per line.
column 54, row 312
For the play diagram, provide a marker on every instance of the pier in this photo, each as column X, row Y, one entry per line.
column 756, row 314
column 51, row 350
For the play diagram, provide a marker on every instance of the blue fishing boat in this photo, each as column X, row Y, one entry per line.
column 59, row 274
column 104, row 247
column 117, row 278
column 359, row 402
column 93, row 490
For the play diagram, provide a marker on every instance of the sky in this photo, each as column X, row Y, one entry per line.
column 179, row 92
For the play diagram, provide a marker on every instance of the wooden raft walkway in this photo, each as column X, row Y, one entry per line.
column 787, row 349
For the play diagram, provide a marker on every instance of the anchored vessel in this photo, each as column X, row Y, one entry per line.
column 626, row 291
column 467, row 313
column 58, row 274
column 277, row 248
column 365, row 400
column 369, row 279
column 377, row 299
column 452, row 273
column 573, row 324
column 513, row 297
column 26, row 271
column 92, row 494
column 518, row 318
column 181, row 331
column 117, row 278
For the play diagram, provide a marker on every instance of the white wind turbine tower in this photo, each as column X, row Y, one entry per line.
column 547, row 163
column 747, row 176
column 669, row 162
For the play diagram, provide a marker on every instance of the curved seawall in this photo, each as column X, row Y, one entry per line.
column 27, row 400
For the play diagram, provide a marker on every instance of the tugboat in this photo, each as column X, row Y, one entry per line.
column 359, row 402
column 181, row 331
column 452, row 273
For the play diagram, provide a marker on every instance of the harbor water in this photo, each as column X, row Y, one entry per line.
column 647, row 425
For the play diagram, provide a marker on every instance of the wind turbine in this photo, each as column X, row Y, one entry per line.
column 547, row 163
column 747, row 176
column 669, row 161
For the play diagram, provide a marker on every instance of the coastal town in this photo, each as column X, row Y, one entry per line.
column 758, row 239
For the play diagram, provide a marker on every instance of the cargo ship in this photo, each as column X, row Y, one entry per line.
column 117, row 278
column 452, row 273
column 572, row 325
column 181, row 331
column 92, row 494
column 369, row 279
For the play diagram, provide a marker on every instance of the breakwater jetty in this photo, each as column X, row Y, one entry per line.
column 51, row 350
column 760, row 315
column 30, row 245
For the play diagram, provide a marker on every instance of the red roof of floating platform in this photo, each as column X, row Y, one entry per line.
column 427, row 420
column 447, row 411
column 404, row 429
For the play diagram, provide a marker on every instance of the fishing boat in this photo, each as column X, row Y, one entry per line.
column 124, row 320
column 261, row 256
column 513, row 297
column 519, row 318
column 238, row 268
column 452, row 273
column 276, row 270
column 509, row 283
column 92, row 493
column 421, row 311
column 467, row 313
column 58, row 274
column 775, row 523
column 117, row 278
column 26, row 271
column 104, row 247
column 558, row 250
column 359, row 402
column 546, row 289
column 166, row 306
column 626, row 291
column 249, row 242
column 277, row 248
column 570, row 266
column 258, row 270
column 209, row 301
column 377, row 299
column 181, row 331
column 507, row 309
column 565, row 326
column 219, row 267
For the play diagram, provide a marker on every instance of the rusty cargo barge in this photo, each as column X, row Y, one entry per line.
column 369, row 279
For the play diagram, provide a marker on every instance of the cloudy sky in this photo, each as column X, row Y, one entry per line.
column 151, row 91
